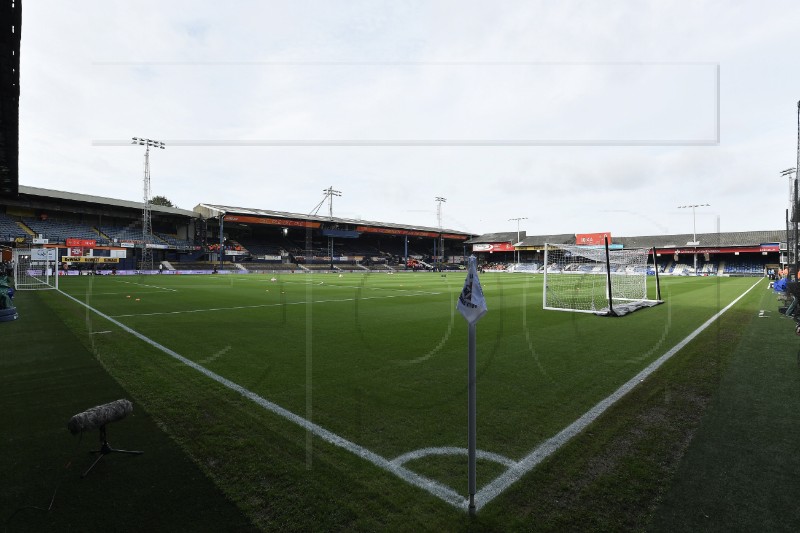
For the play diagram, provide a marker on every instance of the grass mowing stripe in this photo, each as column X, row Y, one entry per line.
column 49, row 373
column 493, row 489
column 237, row 307
column 151, row 286
column 740, row 472
column 437, row 489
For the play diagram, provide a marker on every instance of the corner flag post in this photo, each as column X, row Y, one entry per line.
column 472, row 306
column 472, row 422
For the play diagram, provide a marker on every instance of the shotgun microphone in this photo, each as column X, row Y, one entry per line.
column 99, row 416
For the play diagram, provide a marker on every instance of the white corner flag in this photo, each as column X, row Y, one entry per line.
column 471, row 304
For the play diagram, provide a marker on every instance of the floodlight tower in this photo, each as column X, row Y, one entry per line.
column 795, row 223
column 147, row 219
column 439, row 201
column 330, row 192
column 517, row 219
column 792, row 214
column 694, row 242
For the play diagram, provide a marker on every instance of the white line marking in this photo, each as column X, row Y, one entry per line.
column 433, row 487
column 99, row 332
column 151, row 286
column 450, row 450
column 548, row 447
column 260, row 305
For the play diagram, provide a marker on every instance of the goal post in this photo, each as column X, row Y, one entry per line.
column 596, row 279
column 35, row 268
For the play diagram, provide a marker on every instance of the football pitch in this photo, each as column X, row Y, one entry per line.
column 376, row 364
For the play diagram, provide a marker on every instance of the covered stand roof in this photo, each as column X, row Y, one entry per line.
column 214, row 210
column 722, row 239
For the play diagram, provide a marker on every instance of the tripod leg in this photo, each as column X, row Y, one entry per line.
column 94, row 463
column 134, row 452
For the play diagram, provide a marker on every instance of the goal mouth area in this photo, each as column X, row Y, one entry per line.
column 622, row 308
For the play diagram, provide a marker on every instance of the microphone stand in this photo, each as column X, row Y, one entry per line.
column 105, row 449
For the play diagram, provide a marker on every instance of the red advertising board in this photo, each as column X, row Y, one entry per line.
column 493, row 247
column 592, row 239
column 272, row 221
column 81, row 243
column 392, row 231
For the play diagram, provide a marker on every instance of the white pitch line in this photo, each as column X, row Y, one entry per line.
column 433, row 487
column 450, row 450
column 551, row 445
column 256, row 306
column 151, row 286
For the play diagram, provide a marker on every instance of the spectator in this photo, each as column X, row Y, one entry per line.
column 6, row 286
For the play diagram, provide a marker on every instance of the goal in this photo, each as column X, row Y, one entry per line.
column 595, row 279
column 35, row 268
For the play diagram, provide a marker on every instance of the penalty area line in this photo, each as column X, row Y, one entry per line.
column 434, row 488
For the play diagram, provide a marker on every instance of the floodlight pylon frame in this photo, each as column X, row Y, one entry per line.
column 146, row 260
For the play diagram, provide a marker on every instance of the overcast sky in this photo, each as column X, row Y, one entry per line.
column 581, row 116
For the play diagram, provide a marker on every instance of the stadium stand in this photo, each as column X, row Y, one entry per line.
column 123, row 233
column 263, row 249
column 9, row 229
column 268, row 266
column 744, row 268
column 174, row 241
column 61, row 230
column 203, row 265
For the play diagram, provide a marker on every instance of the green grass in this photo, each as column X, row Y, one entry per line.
column 741, row 472
column 46, row 376
column 381, row 360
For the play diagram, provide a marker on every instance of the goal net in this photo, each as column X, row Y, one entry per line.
column 593, row 279
column 35, row 268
